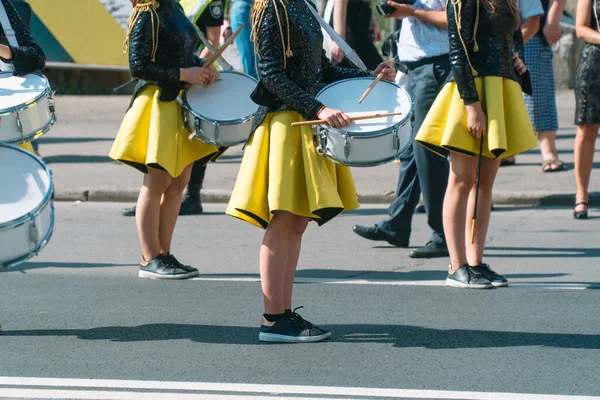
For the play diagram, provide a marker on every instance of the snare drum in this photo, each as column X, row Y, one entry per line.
column 26, row 107
column 222, row 113
column 367, row 142
column 26, row 205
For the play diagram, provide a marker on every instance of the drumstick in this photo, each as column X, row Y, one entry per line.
column 221, row 49
column 356, row 118
column 372, row 85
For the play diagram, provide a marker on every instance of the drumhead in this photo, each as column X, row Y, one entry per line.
column 25, row 183
column 20, row 90
column 386, row 97
column 226, row 100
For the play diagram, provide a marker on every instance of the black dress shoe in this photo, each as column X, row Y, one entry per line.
column 374, row 233
column 430, row 250
column 581, row 214
column 128, row 212
column 190, row 206
column 420, row 209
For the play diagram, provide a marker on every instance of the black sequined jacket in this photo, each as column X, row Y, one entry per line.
column 177, row 42
column 28, row 57
column 295, row 84
column 498, row 37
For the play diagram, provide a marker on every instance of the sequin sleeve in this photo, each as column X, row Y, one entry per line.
column 28, row 57
column 518, row 43
column 333, row 73
column 140, row 54
column 459, row 41
column 271, row 67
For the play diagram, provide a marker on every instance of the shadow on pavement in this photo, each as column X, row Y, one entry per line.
column 37, row 265
column 543, row 252
column 67, row 159
column 403, row 336
column 58, row 140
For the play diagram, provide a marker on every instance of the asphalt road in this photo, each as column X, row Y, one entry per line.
column 78, row 311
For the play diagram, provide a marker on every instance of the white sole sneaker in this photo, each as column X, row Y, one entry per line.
column 499, row 284
column 276, row 338
column 152, row 275
column 457, row 284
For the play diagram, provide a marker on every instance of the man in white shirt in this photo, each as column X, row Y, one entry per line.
column 423, row 48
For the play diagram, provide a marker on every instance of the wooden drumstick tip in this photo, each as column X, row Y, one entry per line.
column 473, row 230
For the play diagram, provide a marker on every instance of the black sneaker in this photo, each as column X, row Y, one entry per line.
column 191, row 206
column 495, row 279
column 301, row 321
column 190, row 270
column 129, row 211
column 467, row 277
column 288, row 330
column 430, row 250
column 162, row 268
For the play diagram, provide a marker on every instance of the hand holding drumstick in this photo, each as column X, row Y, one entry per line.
column 385, row 71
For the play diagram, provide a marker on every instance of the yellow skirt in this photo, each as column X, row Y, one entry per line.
column 281, row 171
column 509, row 129
column 153, row 134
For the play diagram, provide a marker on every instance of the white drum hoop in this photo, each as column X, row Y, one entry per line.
column 46, row 201
column 235, row 121
column 397, row 127
column 47, row 92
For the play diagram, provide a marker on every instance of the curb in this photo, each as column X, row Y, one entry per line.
column 522, row 198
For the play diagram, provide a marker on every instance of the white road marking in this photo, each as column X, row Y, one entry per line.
column 18, row 387
column 350, row 281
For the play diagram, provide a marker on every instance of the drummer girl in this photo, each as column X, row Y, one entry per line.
column 153, row 138
column 283, row 182
column 26, row 58
column 483, row 104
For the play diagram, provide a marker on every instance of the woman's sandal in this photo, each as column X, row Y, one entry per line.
column 581, row 214
column 547, row 165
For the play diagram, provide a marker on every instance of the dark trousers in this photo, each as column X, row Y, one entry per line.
column 420, row 169
column 198, row 171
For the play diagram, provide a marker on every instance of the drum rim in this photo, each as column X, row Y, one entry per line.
column 29, row 103
column 360, row 163
column 379, row 132
column 220, row 121
column 45, row 200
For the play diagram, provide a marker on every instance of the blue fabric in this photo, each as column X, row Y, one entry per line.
column 541, row 105
column 240, row 14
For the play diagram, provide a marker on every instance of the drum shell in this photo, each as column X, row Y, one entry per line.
column 26, row 235
column 365, row 147
column 220, row 133
column 26, row 238
column 357, row 150
column 28, row 121
column 215, row 128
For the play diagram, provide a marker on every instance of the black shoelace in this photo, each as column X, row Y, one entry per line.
column 299, row 321
column 473, row 273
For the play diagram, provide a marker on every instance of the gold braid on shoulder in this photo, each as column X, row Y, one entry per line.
column 256, row 18
column 144, row 6
column 457, row 5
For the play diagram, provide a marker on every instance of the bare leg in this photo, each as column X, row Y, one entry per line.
column 292, row 261
column 489, row 169
column 548, row 148
column 274, row 253
column 147, row 216
column 460, row 182
column 585, row 142
column 169, row 209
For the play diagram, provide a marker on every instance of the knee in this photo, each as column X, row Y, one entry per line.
column 587, row 133
column 178, row 185
column 301, row 225
column 156, row 187
column 462, row 184
column 283, row 224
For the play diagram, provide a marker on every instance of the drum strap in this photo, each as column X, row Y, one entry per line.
column 8, row 30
